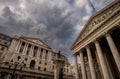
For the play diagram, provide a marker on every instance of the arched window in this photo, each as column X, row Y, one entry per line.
column 32, row 64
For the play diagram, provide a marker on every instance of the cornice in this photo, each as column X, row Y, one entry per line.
column 98, row 20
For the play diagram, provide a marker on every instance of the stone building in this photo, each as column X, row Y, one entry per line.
column 29, row 58
column 79, row 70
column 4, row 44
column 99, row 44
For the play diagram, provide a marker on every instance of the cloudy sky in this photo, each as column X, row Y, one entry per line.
column 58, row 21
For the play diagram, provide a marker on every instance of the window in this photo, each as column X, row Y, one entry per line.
column 40, row 62
column 44, row 69
column 5, row 42
column 32, row 64
column 45, row 63
column 53, row 66
column 25, row 59
column 12, row 60
column 2, row 48
column 39, row 68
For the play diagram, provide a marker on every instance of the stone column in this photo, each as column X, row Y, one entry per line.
column 8, row 76
column 50, row 55
column 113, row 49
column 82, row 66
column 102, row 61
column 43, row 54
column 31, row 51
column 38, row 52
column 92, row 69
column 17, row 45
column 24, row 49
column 56, row 73
column 76, row 67
column 18, row 76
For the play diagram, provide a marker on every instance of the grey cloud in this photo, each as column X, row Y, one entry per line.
column 56, row 20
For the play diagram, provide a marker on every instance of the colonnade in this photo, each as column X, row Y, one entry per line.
column 102, row 62
column 32, row 50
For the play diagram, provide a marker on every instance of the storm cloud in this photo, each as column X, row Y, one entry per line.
column 56, row 22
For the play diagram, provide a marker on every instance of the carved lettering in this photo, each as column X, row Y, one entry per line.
column 100, row 19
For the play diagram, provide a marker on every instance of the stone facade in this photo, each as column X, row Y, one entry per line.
column 99, row 44
column 33, row 58
column 5, row 42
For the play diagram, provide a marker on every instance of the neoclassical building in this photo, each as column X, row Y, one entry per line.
column 99, row 44
column 5, row 42
column 29, row 58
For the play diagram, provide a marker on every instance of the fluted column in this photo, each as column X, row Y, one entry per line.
column 43, row 54
column 38, row 52
column 102, row 61
column 50, row 55
column 8, row 76
column 18, row 76
column 31, row 51
column 56, row 73
column 82, row 66
column 113, row 49
column 92, row 69
column 76, row 67
column 17, row 46
column 24, row 50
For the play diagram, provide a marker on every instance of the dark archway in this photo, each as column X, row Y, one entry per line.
column 32, row 64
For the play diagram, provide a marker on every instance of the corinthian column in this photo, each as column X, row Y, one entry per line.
column 113, row 49
column 24, row 50
column 18, row 49
column 76, row 67
column 82, row 66
column 17, row 46
column 102, row 61
column 92, row 69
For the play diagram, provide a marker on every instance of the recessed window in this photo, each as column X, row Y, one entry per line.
column 53, row 66
column 39, row 68
column 2, row 48
column 40, row 62
column 25, row 59
column 45, row 63
column 5, row 42
column 12, row 60
column 18, row 57
column 44, row 69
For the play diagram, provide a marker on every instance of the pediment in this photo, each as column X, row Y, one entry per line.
column 98, row 20
column 37, row 41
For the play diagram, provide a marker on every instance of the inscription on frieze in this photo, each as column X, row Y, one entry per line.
column 99, row 19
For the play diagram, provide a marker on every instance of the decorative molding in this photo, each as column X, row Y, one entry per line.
column 100, row 20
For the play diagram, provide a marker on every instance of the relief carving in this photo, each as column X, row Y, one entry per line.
column 100, row 19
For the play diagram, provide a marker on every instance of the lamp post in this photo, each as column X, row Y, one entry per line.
column 13, row 66
column 16, row 64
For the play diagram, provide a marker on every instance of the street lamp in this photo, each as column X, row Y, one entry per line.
column 13, row 66
column 16, row 64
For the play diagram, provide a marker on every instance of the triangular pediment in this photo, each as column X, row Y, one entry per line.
column 37, row 41
column 98, row 20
